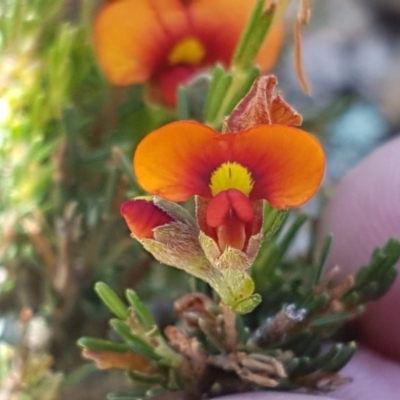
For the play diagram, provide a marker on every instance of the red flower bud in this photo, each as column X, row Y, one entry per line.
column 143, row 216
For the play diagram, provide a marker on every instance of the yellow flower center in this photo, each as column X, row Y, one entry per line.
column 187, row 51
column 231, row 175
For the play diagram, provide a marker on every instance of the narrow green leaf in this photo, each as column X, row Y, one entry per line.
column 141, row 310
column 216, row 76
column 291, row 232
column 183, row 103
column 343, row 356
column 218, row 95
column 111, row 300
column 100, row 344
column 146, row 378
column 273, row 220
column 110, row 188
column 332, row 319
column 246, row 39
column 126, row 168
column 134, row 342
column 319, row 268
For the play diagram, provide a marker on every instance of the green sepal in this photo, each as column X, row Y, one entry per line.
column 248, row 305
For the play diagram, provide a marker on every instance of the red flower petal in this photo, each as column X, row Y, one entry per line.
column 225, row 201
column 142, row 216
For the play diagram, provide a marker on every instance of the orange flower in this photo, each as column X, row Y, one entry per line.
column 231, row 173
column 166, row 42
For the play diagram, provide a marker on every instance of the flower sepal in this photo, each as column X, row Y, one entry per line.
column 235, row 287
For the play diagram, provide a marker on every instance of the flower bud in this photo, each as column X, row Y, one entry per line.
column 142, row 217
column 167, row 231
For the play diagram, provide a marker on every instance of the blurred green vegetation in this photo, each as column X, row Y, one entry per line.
column 66, row 138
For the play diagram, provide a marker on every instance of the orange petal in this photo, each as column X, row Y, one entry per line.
column 133, row 37
column 175, row 162
column 287, row 164
column 142, row 216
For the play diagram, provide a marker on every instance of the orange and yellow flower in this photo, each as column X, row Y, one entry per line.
column 230, row 173
column 165, row 42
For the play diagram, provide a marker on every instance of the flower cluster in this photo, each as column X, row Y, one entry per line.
column 259, row 158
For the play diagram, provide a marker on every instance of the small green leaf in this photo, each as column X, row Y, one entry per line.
column 140, row 309
column 146, row 378
column 216, row 76
column 111, row 300
column 332, row 319
column 100, row 344
column 341, row 358
column 183, row 103
column 253, row 36
column 292, row 232
column 134, row 342
column 217, row 96
column 273, row 220
column 319, row 268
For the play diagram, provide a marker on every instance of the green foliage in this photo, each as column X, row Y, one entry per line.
column 291, row 339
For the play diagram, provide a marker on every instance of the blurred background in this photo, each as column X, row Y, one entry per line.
column 66, row 140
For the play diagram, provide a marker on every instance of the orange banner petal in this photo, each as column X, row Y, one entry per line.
column 287, row 164
column 133, row 36
column 175, row 162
